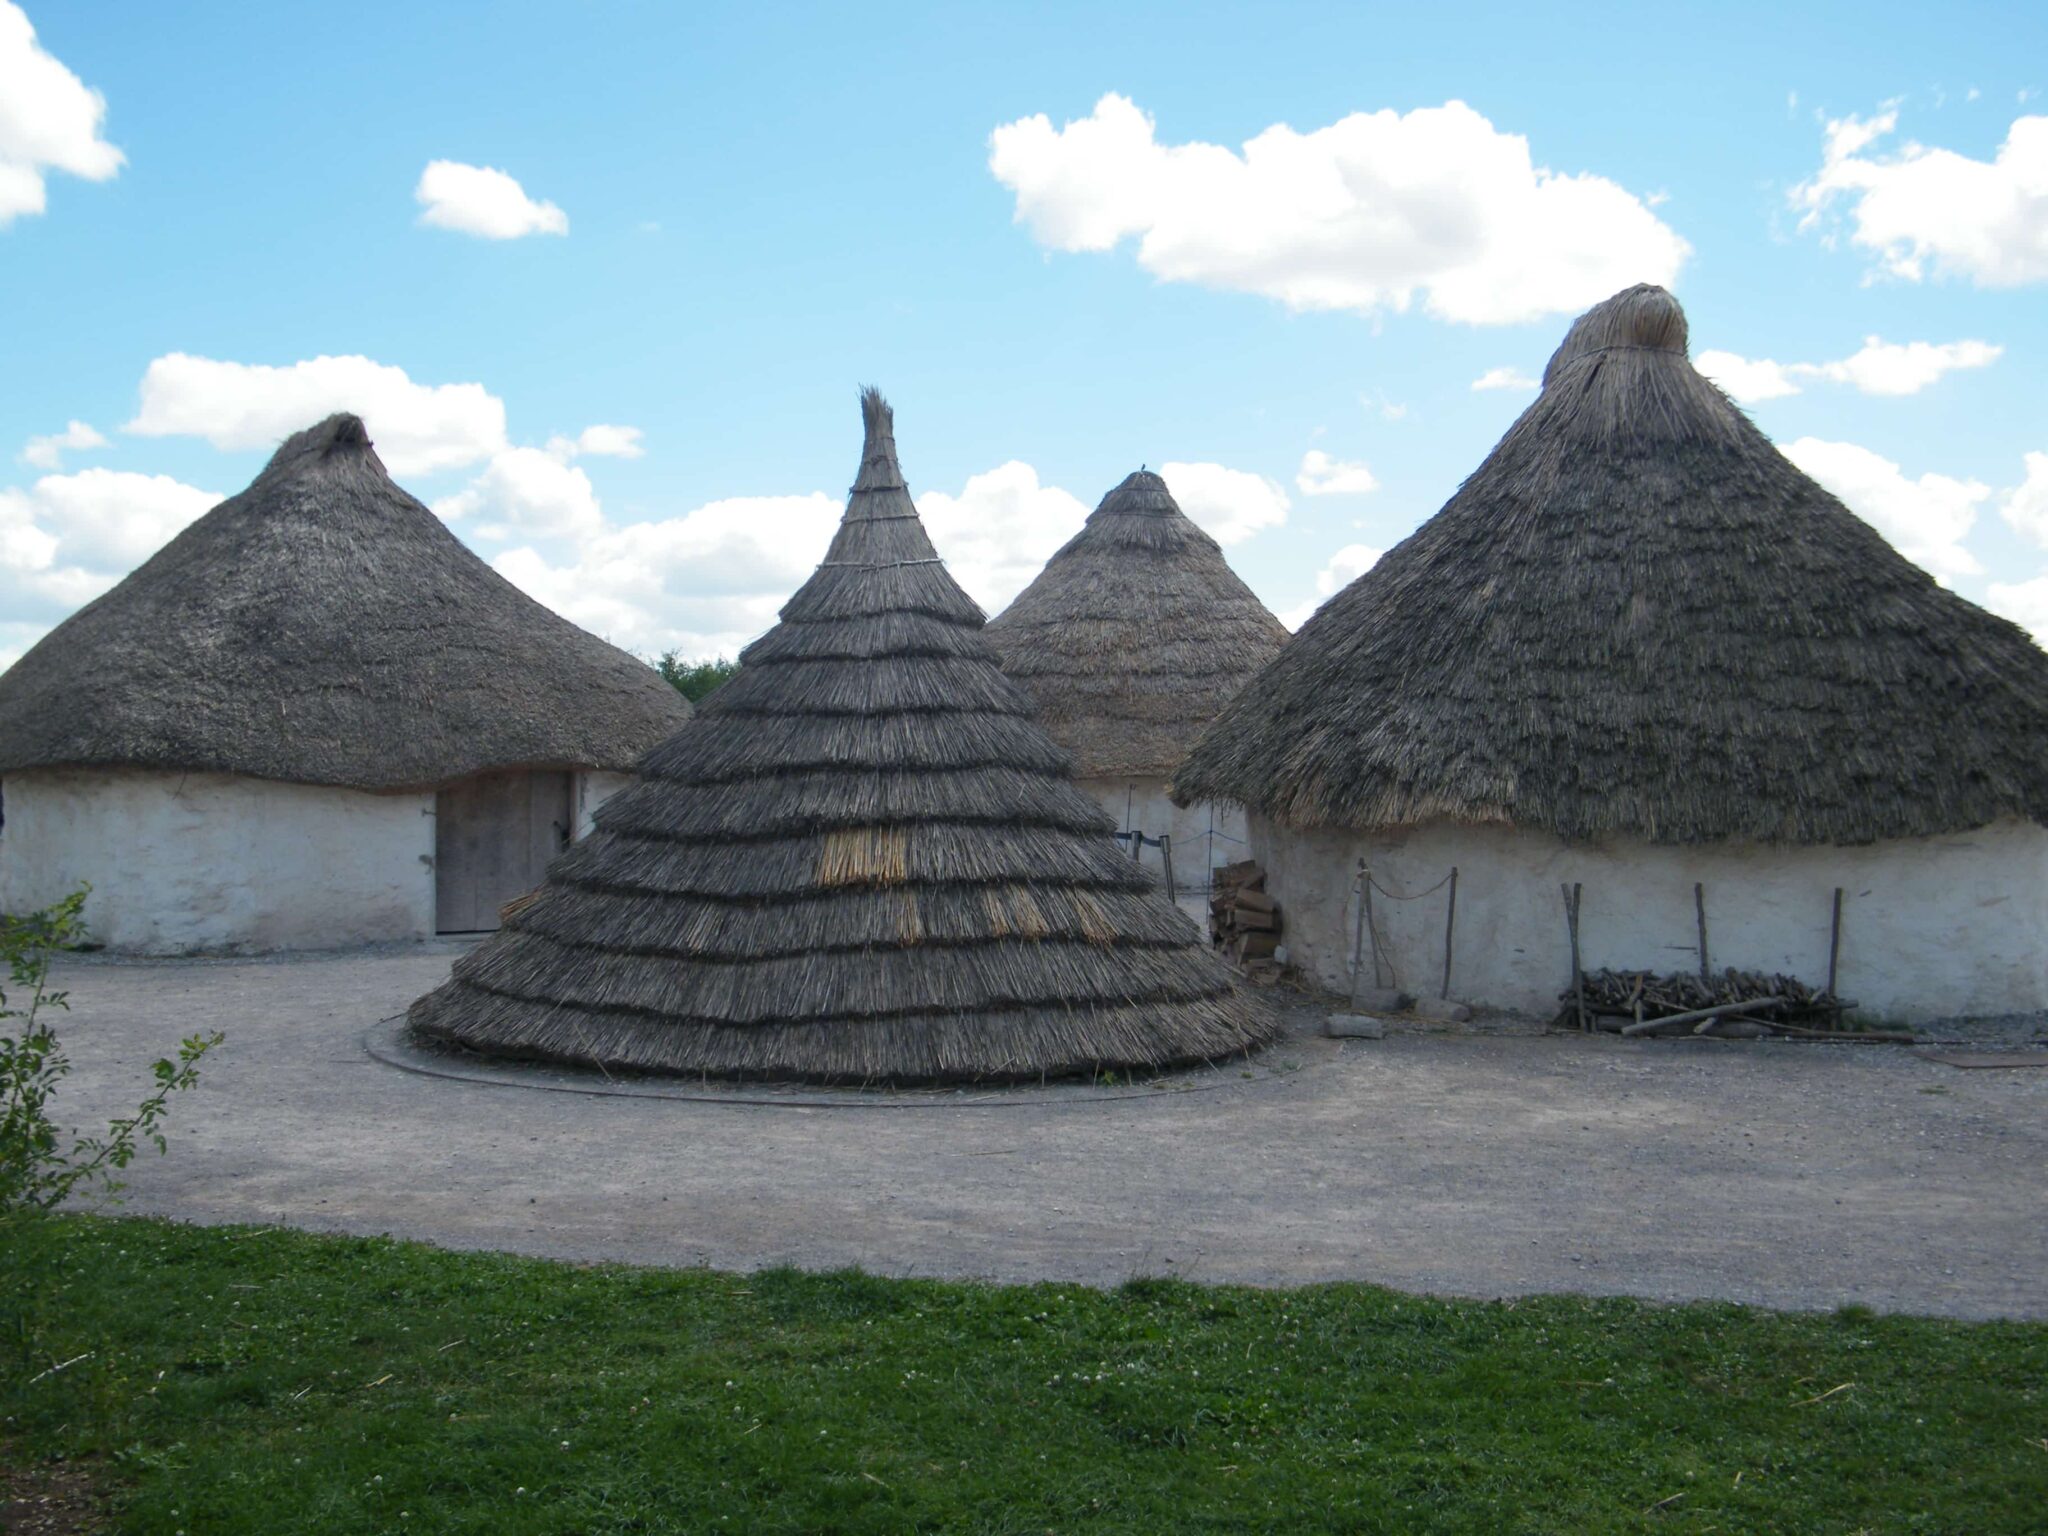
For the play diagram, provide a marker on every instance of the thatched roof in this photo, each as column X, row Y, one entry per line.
column 1638, row 618
column 325, row 628
column 863, row 862
column 1134, row 635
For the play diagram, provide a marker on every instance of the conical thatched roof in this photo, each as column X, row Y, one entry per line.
column 325, row 628
column 1134, row 635
column 863, row 862
column 1637, row 617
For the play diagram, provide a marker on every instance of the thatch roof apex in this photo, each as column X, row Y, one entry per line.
column 323, row 627
column 864, row 862
column 1135, row 634
column 1638, row 618
column 1646, row 317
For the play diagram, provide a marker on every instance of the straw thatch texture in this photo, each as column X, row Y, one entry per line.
column 1134, row 635
column 1638, row 618
column 325, row 628
column 864, row 862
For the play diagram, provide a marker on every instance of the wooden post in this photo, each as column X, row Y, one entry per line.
column 1365, row 911
column 1699, row 906
column 1166, row 858
column 1835, row 955
column 1358, row 942
column 1571, row 922
column 1450, row 927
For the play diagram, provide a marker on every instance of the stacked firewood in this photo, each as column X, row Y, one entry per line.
column 1642, row 1002
column 1244, row 922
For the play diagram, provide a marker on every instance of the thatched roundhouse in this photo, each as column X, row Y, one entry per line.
column 1639, row 650
column 312, row 719
column 864, row 862
column 1130, row 640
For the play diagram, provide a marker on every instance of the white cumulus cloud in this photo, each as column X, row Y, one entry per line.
column 50, row 120
column 1232, row 504
column 602, row 441
column 1925, row 211
column 2025, row 506
column 416, row 427
column 2024, row 602
column 47, row 451
column 1504, row 378
column 708, row 581
column 483, row 201
column 704, row 583
column 1364, row 215
column 1322, row 475
column 1345, row 567
column 67, row 538
column 1926, row 519
column 1000, row 530
column 529, row 493
column 1880, row 368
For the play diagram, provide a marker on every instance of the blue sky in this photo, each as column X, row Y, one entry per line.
column 737, row 215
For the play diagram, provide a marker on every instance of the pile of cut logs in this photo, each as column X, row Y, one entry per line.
column 1731, row 1004
column 1244, row 922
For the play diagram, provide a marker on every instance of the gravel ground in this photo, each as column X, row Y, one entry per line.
column 1480, row 1162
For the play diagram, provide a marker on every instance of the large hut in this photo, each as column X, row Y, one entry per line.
column 864, row 862
column 1640, row 652
column 312, row 719
column 1130, row 640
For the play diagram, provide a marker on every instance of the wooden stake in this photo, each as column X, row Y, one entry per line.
column 1699, row 906
column 1835, row 954
column 1358, row 943
column 1571, row 922
column 1166, row 858
column 1450, row 927
column 1365, row 906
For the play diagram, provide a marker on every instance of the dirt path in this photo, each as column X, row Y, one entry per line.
column 1476, row 1165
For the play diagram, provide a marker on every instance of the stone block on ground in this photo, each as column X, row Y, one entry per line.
column 1355, row 1026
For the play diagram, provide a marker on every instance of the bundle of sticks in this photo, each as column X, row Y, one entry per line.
column 1244, row 922
column 1732, row 1002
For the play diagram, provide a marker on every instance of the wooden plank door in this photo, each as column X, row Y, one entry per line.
column 494, row 836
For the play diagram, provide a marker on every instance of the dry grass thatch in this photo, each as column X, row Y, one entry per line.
column 323, row 627
column 1638, row 618
column 1134, row 635
column 864, row 862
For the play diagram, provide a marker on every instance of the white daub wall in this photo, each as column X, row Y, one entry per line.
column 188, row 862
column 1142, row 804
column 211, row 861
column 1930, row 926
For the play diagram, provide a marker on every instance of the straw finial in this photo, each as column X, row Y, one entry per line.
column 1645, row 316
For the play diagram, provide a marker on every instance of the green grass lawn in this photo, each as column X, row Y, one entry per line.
column 251, row 1380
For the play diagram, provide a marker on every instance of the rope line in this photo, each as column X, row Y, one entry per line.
column 1397, row 896
column 876, row 565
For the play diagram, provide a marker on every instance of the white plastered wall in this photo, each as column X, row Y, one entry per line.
column 594, row 786
column 1930, row 926
column 183, row 862
column 1142, row 804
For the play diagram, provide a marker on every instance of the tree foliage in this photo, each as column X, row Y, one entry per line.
column 694, row 679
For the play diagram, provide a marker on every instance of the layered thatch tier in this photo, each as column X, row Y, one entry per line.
column 1134, row 635
column 1638, row 618
column 864, row 862
column 323, row 627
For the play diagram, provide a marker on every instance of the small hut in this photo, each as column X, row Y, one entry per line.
column 1641, row 653
column 1130, row 640
column 312, row 719
column 863, row 862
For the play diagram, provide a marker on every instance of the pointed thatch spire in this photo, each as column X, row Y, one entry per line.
column 863, row 862
column 1637, row 617
column 325, row 628
column 1134, row 635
